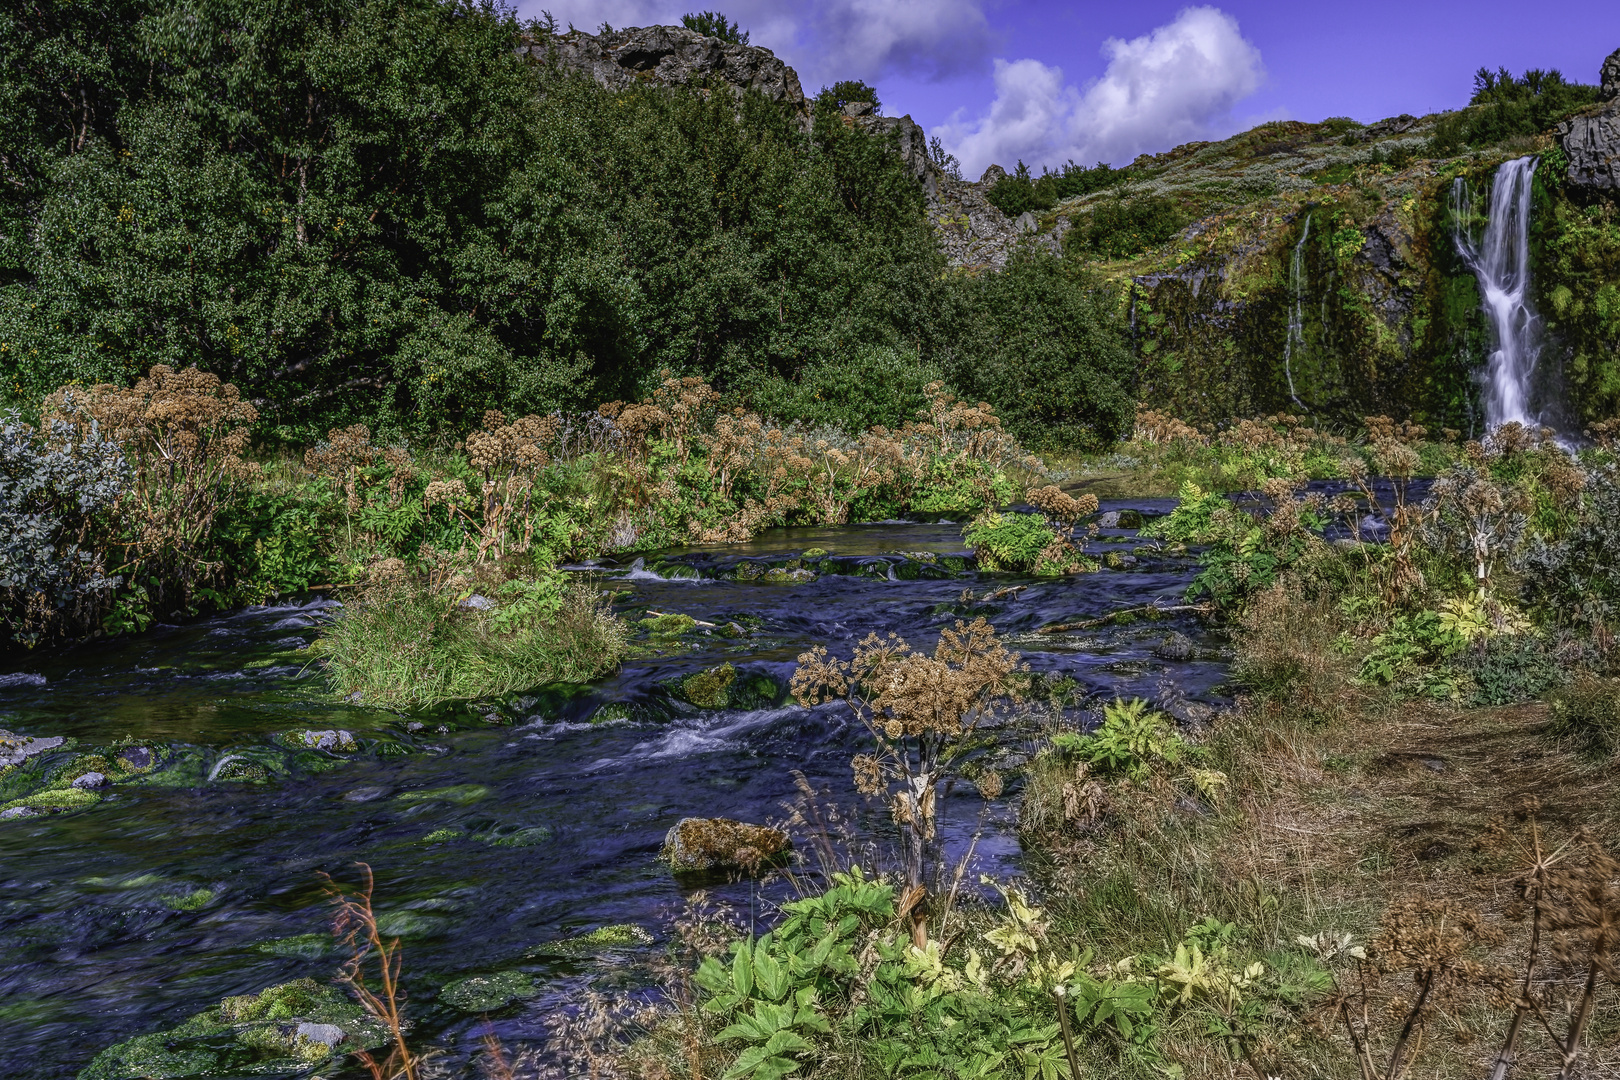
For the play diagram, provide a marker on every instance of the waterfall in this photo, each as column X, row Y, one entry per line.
column 1501, row 263
column 1296, row 314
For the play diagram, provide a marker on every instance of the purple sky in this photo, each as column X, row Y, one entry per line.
column 998, row 80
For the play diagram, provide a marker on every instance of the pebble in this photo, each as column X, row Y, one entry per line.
column 91, row 780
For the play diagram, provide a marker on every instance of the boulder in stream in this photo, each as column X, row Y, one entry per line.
column 721, row 845
column 16, row 749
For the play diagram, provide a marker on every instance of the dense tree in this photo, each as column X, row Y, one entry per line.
column 375, row 210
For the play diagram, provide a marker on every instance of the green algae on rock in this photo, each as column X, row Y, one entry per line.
column 601, row 940
column 486, row 993
column 707, row 689
column 291, row 1027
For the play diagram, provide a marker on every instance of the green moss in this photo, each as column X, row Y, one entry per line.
column 300, row 946
column 486, row 993
column 407, row 924
column 195, row 900
column 602, row 939
column 60, row 800
column 458, row 793
column 529, row 837
column 707, row 689
column 443, row 836
column 253, row 1034
column 668, row 625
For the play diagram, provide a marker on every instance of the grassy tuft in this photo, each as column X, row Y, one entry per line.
column 401, row 644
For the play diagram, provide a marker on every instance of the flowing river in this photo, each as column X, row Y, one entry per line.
column 495, row 829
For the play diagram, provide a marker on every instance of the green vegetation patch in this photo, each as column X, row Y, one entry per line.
column 461, row 794
column 708, row 689
column 486, row 993
column 284, row 1028
column 65, row 799
column 602, row 939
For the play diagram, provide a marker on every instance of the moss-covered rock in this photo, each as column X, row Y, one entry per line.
column 461, row 794
column 287, row 1028
column 708, row 689
column 604, row 939
column 673, row 625
column 486, row 993
column 721, row 845
column 60, row 800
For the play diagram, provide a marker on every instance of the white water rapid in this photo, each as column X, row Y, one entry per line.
column 1501, row 263
column 1296, row 314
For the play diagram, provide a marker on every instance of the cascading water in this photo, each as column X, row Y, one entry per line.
column 1296, row 314
column 1501, row 263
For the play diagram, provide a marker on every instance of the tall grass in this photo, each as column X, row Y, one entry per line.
column 402, row 644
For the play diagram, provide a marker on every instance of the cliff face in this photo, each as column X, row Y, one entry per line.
column 673, row 56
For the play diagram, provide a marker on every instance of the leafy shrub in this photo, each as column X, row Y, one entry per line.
column 1412, row 641
column 1131, row 741
column 875, row 386
column 1023, row 543
column 1120, row 227
column 1198, row 518
column 53, row 491
column 1016, row 193
column 1575, row 580
column 1511, row 668
column 1588, row 711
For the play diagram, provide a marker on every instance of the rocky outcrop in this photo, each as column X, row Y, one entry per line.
column 672, row 56
column 1591, row 140
column 973, row 234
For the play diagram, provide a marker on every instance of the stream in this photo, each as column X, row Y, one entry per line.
column 496, row 828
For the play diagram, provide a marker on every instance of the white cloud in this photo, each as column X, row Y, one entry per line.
column 824, row 42
column 1174, row 84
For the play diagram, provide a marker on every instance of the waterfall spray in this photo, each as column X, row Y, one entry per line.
column 1501, row 263
column 1296, row 314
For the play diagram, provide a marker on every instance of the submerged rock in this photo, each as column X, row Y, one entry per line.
column 707, row 689
column 333, row 739
column 700, row 845
column 284, row 1029
column 602, row 939
column 486, row 993
column 1175, row 646
column 1119, row 519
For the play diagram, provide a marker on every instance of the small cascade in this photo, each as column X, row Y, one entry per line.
column 1501, row 263
column 1296, row 313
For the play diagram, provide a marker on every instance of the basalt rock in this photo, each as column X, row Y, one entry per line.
column 672, row 56
column 1609, row 78
column 1591, row 142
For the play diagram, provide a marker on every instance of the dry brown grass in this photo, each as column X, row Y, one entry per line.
column 1348, row 805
